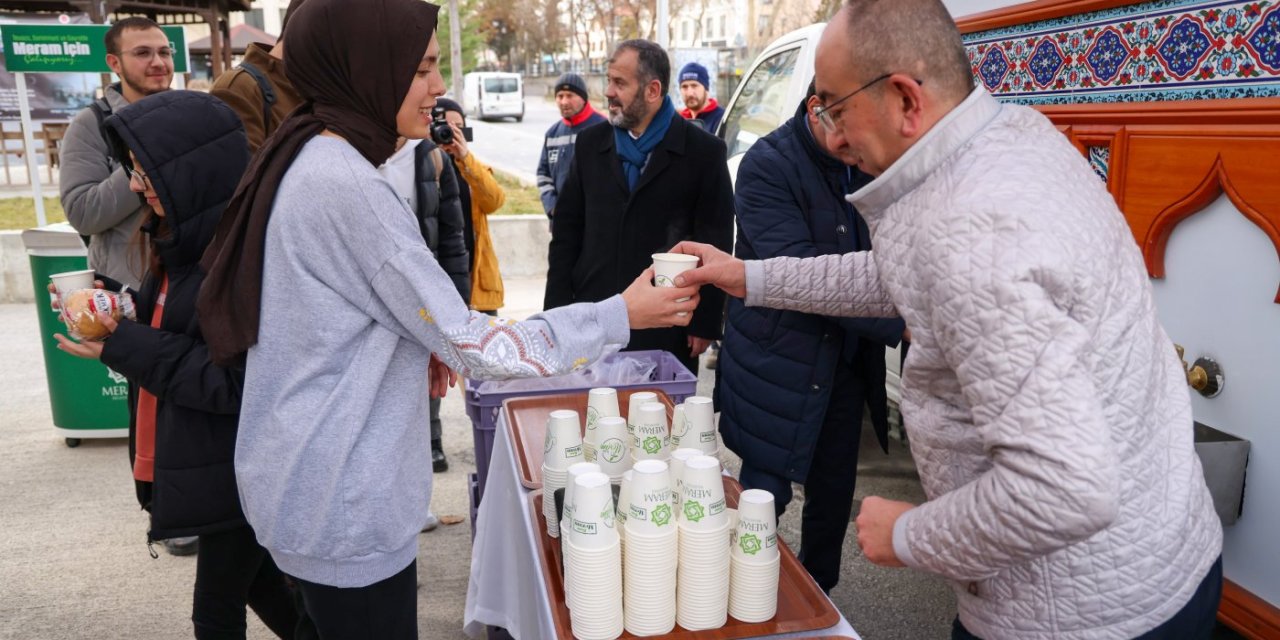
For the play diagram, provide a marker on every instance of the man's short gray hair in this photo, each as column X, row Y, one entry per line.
column 916, row 37
column 653, row 63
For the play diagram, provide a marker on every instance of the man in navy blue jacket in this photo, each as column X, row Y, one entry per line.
column 793, row 385
column 576, row 114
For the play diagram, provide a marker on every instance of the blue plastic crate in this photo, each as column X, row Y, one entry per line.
column 669, row 375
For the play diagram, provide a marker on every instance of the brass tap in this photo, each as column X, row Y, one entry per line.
column 1204, row 375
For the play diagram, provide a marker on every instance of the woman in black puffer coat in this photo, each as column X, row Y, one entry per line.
column 186, row 152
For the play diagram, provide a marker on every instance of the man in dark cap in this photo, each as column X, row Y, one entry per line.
column 576, row 114
column 700, row 107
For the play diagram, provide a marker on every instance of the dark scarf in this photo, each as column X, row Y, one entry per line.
column 352, row 63
column 634, row 152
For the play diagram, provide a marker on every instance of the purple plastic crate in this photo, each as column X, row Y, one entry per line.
column 473, row 492
column 672, row 377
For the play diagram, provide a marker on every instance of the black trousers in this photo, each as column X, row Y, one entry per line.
column 828, row 489
column 387, row 610
column 233, row 570
column 1195, row 621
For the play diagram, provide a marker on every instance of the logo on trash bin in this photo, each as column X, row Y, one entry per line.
column 116, row 377
column 652, row 445
column 612, row 450
column 662, row 515
column 750, row 544
column 693, row 511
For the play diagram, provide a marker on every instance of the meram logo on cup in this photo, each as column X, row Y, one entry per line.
column 771, row 541
column 662, row 515
column 551, row 444
column 638, row 513
column 606, row 516
column 664, row 281
column 612, row 450
column 593, row 414
column 585, row 528
column 652, row 445
column 750, row 544
column 693, row 511
column 708, row 436
column 717, row 507
column 573, row 452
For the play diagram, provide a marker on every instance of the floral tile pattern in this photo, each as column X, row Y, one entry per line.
column 1100, row 160
column 1162, row 50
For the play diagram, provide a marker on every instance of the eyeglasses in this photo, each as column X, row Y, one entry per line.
column 147, row 53
column 823, row 111
column 142, row 177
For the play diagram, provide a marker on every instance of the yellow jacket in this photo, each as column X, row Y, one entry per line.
column 486, row 197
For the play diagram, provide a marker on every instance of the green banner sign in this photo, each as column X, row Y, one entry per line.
column 71, row 48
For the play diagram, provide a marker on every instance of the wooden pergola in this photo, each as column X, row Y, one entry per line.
column 215, row 13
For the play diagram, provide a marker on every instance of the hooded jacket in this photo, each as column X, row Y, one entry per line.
column 194, row 171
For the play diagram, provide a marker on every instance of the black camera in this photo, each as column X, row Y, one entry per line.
column 441, row 131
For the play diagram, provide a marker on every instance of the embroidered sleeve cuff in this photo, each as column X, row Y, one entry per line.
column 755, row 283
column 900, row 546
column 612, row 314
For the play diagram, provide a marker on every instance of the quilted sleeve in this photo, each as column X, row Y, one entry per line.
column 1001, row 297
column 831, row 285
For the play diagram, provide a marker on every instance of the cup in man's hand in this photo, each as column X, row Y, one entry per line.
column 667, row 266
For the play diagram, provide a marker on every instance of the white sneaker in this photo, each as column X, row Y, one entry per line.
column 432, row 522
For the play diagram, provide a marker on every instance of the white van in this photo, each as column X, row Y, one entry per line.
column 493, row 94
column 768, row 96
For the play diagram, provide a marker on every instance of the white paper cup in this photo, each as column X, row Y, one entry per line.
column 633, row 407
column 700, row 432
column 667, row 266
column 574, row 473
column 601, row 402
column 624, row 501
column 651, row 439
column 596, row 604
column 613, row 449
column 678, row 458
column 592, row 523
column 69, row 281
column 562, row 445
column 651, row 509
column 649, row 583
column 679, row 426
column 703, row 506
column 756, row 535
column 753, row 589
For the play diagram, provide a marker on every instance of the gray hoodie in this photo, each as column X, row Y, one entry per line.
column 333, row 455
column 96, row 196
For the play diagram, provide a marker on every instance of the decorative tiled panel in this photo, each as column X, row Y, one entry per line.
column 1100, row 160
column 1163, row 50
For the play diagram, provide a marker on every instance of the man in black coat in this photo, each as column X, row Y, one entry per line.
column 637, row 187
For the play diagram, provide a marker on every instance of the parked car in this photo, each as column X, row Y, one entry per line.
column 774, row 85
column 491, row 94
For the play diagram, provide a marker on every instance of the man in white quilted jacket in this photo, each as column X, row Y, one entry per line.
column 1048, row 413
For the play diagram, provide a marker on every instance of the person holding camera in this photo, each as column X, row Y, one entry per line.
column 480, row 194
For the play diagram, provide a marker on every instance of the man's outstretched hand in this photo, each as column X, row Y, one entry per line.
column 718, row 268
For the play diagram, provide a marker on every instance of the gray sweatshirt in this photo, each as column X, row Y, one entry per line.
column 97, row 199
column 333, row 454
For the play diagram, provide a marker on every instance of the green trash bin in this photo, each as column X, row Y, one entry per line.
column 87, row 399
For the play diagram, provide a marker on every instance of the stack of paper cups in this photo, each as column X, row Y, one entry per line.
column 651, row 439
column 613, row 451
column 562, row 447
column 566, row 518
column 679, row 426
column 754, row 559
column 678, row 459
column 633, row 408
column 702, row 593
column 601, row 403
column 649, row 561
column 594, row 562
column 701, row 426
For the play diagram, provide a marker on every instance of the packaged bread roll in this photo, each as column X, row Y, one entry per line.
column 80, row 311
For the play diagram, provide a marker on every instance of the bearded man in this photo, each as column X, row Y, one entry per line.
column 637, row 188
column 94, row 186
